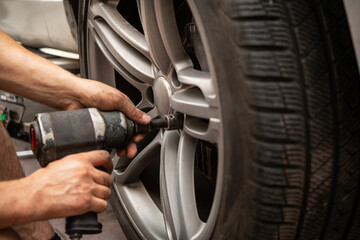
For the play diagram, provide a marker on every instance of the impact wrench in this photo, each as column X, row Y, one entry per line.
column 58, row 134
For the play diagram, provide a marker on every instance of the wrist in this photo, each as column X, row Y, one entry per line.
column 90, row 93
column 35, row 207
column 71, row 94
column 30, row 203
column 17, row 207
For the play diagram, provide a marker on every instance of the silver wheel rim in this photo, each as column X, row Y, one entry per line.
column 156, row 62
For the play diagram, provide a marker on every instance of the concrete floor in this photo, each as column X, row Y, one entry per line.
column 111, row 227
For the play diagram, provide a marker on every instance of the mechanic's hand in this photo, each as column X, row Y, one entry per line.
column 72, row 186
column 103, row 97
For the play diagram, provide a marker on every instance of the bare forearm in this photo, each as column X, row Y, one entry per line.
column 28, row 75
column 15, row 207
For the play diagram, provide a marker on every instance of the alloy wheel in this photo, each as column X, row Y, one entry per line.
column 156, row 52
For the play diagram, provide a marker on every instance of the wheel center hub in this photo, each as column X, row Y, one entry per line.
column 162, row 94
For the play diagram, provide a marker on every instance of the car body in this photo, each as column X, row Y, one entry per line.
column 40, row 23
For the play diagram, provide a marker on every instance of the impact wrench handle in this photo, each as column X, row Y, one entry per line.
column 87, row 223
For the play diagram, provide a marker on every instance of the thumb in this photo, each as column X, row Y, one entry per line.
column 135, row 114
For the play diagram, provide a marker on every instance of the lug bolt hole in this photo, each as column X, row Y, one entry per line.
column 150, row 95
column 174, row 80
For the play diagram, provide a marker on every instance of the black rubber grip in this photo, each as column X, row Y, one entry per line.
column 73, row 132
column 86, row 223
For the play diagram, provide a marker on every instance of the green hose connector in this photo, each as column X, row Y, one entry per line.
column 2, row 117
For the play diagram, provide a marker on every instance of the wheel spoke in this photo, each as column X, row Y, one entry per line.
column 190, row 222
column 201, row 130
column 139, row 10
column 200, row 101
column 192, row 102
column 138, row 164
column 125, row 54
column 152, row 36
column 144, row 103
column 115, row 65
column 105, row 72
column 169, row 184
column 141, row 210
column 165, row 16
column 200, row 79
column 125, row 30
column 177, row 186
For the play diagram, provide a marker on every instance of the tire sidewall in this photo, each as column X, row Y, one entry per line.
column 223, row 56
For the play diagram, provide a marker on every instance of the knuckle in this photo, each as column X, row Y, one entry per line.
column 100, row 206
column 84, row 172
column 135, row 112
column 110, row 181
column 108, row 193
column 85, row 201
column 105, row 179
column 102, row 155
column 118, row 96
column 105, row 154
column 80, row 156
column 103, row 206
column 118, row 100
column 84, row 187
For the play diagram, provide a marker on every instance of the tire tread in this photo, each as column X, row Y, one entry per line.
column 295, row 100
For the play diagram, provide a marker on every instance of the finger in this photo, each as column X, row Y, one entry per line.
column 131, row 150
column 129, row 109
column 126, row 96
column 102, row 178
column 99, row 158
column 137, row 138
column 121, row 152
column 102, row 192
column 98, row 205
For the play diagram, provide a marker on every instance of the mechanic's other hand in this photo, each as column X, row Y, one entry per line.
column 72, row 185
column 103, row 97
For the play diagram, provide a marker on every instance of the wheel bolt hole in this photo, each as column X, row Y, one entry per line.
column 150, row 95
column 174, row 80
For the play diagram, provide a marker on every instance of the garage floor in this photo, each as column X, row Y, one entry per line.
column 111, row 227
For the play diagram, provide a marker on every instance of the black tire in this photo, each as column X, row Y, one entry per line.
column 289, row 87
